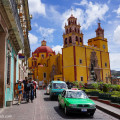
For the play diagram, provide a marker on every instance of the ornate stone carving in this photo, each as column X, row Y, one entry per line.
column 94, row 68
column 53, row 72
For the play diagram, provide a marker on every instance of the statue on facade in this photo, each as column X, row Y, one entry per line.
column 93, row 75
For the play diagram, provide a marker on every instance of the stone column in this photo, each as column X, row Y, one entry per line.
column 2, row 67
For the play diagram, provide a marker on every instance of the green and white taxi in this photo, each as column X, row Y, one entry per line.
column 76, row 101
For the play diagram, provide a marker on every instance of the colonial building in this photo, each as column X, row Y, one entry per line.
column 79, row 62
column 14, row 29
column 45, row 64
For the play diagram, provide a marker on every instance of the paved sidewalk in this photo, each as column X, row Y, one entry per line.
column 108, row 109
column 24, row 111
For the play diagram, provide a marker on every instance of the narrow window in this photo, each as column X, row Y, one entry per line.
column 44, row 75
column 69, row 22
column 81, row 78
column 75, row 22
column 67, row 31
column 80, row 61
column 75, row 29
column 80, row 39
column 70, row 29
column 76, row 38
column 105, row 64
column 70, row 40
column 65, row 41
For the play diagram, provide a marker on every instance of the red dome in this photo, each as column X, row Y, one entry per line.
column 42, row 49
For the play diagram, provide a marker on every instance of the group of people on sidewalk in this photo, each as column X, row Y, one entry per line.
column 25, row 89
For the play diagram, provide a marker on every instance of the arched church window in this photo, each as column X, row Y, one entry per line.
column 70, row 40
column 35, row 63
column 42, row 56
column 65, row 41
column 75, row 29
column 76, row 38
column 80, row 39
column 67, row 31
column 75, row 22
column 69, row 23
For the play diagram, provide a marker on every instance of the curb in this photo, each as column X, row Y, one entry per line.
column 109, row 112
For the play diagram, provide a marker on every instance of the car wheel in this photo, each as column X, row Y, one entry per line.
column 91, row 114
column 66, row 111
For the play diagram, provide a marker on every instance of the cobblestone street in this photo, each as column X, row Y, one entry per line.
column 44, row 109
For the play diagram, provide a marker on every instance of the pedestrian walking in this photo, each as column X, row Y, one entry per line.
column 31, row 90
column 20, row 91
column 25, row 87
column 27, row 91
column 34, row 82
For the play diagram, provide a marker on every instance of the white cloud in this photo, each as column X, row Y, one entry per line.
column 57, row 48
column 35, row 24
column 109, row 22
column 92, row 12
column 47, row 33
column 86, row 17
column 117, row 11
column 109, row 1
column 117, row 34
column 83, row 2
column 115, row 61
column 37, row 7
column 33, row 39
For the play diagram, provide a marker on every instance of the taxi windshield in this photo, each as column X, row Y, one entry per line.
column 59, row 85
column 76, row 94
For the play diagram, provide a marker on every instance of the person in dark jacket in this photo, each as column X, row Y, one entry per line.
column 25, row 87
column 31, row 90
column 27, row 91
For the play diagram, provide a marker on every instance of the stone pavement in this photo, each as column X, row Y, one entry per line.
column 108, row 109
column 43, row 108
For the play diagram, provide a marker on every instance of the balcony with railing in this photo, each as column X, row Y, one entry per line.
column 12, row 12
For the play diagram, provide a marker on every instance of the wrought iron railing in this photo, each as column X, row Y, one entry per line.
column 17, row 18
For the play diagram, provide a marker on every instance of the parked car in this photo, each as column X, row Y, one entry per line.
column 76, row 101
column 48, row 90
column 56, row 88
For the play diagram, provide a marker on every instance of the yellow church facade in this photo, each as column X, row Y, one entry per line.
column 78, row 62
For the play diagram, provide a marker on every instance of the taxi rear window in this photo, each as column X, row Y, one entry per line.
column 59, row 85
column 76, row 94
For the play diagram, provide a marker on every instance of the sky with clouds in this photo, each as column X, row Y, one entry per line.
column 50, row 16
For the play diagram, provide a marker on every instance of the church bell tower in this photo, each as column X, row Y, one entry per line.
column 73, row 35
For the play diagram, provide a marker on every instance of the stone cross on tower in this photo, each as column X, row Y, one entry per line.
column 99, row 20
